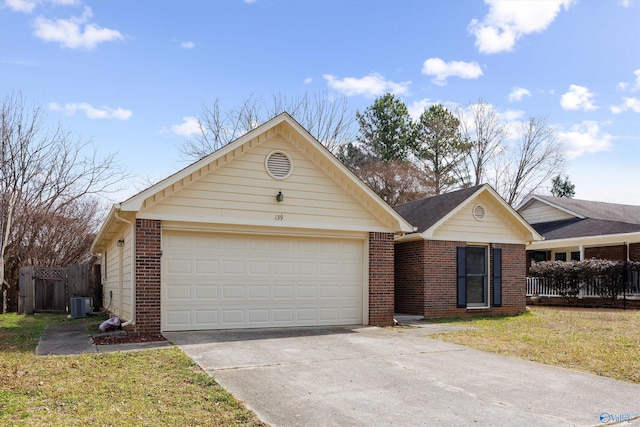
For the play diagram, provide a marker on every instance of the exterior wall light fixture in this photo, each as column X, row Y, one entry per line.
column 280, row 196
column 120, row 243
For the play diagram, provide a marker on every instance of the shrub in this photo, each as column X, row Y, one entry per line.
column 567, row 278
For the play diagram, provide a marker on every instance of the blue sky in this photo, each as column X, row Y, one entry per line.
column 130, row 74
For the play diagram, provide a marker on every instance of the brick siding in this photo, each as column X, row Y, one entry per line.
column 430, row 288
column 381, row 282
column 148, row 252
column 634, row 252
column 613, row 253
column 409, row 264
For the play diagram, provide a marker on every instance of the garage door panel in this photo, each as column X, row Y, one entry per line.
column 206, row 292
column 214, row 281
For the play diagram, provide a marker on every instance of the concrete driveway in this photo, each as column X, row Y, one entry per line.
column 366, row 376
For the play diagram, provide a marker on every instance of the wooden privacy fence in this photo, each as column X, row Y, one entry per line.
column 48, row 289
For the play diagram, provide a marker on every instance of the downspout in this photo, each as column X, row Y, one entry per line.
column 133, row 268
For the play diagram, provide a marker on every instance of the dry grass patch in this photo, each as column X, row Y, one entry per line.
column 603, row 342
column 154, row 387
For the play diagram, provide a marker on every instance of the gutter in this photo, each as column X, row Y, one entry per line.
column 133, row 267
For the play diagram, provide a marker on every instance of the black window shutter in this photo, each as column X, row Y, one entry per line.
column 462, row 277
column 496, row 257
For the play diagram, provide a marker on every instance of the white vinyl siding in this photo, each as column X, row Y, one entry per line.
column 497, row 226
column 226, row 281
column 117, row 277
column 539, row 212
column 242, row 192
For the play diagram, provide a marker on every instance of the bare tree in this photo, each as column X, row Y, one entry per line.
column 482, row 127
column 42, row 172
column 534, row 158
column 396, row 182
column 323, row 114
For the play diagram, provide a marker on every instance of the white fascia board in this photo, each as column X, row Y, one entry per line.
column 429, row 232
column 589, row 241
column 106, row 225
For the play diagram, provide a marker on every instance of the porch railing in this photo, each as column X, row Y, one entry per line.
column 537, row 286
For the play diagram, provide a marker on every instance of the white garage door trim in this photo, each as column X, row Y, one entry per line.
column 221, row 280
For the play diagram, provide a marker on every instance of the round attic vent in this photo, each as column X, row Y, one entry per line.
column 279, row 165
column 479, row 212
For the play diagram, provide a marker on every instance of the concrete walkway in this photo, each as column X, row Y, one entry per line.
column 366, row 376
column 73, row 338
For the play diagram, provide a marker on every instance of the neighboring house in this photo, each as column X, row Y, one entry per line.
column 581, row 229
column 271, row 230
column 467, row 256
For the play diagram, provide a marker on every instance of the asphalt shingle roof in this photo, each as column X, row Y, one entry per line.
column 600, row 219
column 424, row 213
column 598, row 210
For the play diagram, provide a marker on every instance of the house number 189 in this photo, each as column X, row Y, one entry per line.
column 279, row 217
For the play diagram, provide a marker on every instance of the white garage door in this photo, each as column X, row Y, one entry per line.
column 223, row 281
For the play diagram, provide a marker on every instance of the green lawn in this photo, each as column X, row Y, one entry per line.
column 147, row 388
column 603, row 342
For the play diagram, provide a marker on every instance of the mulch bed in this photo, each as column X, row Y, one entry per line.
column 126, row 339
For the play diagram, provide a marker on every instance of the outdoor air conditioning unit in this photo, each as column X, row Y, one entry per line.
column 80, row 307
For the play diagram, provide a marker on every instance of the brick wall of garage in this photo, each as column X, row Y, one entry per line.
column 148, row 253
column 381, row 279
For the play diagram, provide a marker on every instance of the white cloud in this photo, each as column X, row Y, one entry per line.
column 629, row 104
column 622, row 86
column 188, row 127
column 508, row 21
column 28, row 6
column 74, row 32
column 308, row 80
column 187, row 45
column 417, row 107
column 442, row 70
column 584, row 138
column 92, row 112
column 578, row 98
column 625, row 3
column 517, row 93
column 249, row 1
column 512, row 115
column 372, row 85
column 636, row 86
column 24, row 6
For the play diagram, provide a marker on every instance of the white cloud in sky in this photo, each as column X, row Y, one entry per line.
column 188, row 127
column 372, row 85
column 625, row 3
column 249, row 1
column 629, row 104
column 24, row 6
column 187, row 45
column 416, row 108
column 308, row 80
column 27, row 6
column 508, row 21
column 584, row 138
column 517, row 93
column 75, row 32
column 636, row 86
column 92, row 112
column 512, row 115
column 578, row 98
column 442, row 70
